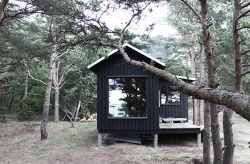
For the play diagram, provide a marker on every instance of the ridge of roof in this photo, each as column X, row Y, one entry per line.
column 186, row 78
column 130, row 46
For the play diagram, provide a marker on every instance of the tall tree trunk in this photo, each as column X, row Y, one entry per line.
column 193, row 61
column 228, row 136
column 10, row 102
column 57, row 92
column 195, row 111
column 26, row 83
column 206, row 134
column 227, row 115
column 237, row 48
column 202, row 84
column 204, row 113
column 57, row 85
column 193, row 74
column 56, row 113
column 43, row 127
column 215, row 129
column 80, row 95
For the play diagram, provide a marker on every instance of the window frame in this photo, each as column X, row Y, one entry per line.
column 167, row 86
column 146, row 92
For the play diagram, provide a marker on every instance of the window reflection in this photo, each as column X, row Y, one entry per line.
column 170, row 95
column 127, row 97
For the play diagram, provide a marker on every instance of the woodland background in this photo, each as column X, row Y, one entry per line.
column 49, row 44
column 25, row 38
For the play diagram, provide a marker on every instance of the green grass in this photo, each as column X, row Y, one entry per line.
column 172, row 158
column 175, row 158
column 79, row 145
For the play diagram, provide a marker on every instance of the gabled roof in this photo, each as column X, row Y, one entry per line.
column 130, row 46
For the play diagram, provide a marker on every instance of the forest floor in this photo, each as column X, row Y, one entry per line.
column 20, row 143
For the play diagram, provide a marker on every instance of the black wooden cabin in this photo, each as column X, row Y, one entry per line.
column 131, row 100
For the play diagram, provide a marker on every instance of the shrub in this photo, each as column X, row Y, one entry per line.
column 2, row 118
column 32, row 105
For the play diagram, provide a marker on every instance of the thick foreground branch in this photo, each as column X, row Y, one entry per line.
column 240, row 103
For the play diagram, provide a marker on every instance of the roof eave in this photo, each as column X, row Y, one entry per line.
column 186, row 78
column 130, row 46
column 145, row 54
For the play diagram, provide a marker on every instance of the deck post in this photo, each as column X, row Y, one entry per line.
column 155, row 140
column 199, row 140
column 99, row 140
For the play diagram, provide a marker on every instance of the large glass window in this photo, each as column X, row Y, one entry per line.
column 127, row 97
column 170, row 95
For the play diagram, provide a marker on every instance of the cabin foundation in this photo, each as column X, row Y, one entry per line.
column 199, row 140
column 99, row 140
column 155, row 140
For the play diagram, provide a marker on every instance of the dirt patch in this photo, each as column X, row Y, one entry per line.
column 20, row 130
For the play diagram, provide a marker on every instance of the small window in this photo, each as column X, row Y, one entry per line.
column 127, row 97
column 170, row 95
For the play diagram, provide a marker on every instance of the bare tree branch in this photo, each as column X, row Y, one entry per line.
column 15, row 13
column 242, row 15
column 63, row 54
column 245, row 73
column 243, row 27
column 103, row 12
column 61, row 85
column 224, row 65
column 195, row 12
column 245, row 5
column 64, row 73
column 245, row 65
column 243, row 53
column 27, row 68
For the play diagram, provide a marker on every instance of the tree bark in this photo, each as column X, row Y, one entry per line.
column 206, row 134
column 43, row 127
column 215, row 130
column 212, row 75
column 193, row 74
column 195, row 111
column 3, row 5
column 56, row 112
column 228, row 137
column 193, row 61
column 10, row 102
column 237, row 47
column 26, row 83
column 202, row 84
column 227, row 115
column 57, row 85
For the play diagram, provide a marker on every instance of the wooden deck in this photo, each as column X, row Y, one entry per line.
column 179, row 128
column 183, row 125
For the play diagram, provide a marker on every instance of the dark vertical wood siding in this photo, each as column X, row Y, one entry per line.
column 174, row 110
column 115, row 66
